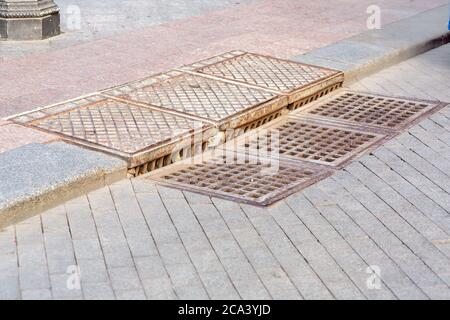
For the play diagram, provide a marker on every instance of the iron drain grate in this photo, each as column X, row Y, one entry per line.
column 219, row 102
column 370, row 109
column 238, row 177
column 295, row 79
column 295, row 138
column 138, row 134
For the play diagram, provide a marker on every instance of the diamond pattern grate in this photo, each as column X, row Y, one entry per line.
column 265, row 72
column 369, row 109
column 197, row 96
column 122, row 129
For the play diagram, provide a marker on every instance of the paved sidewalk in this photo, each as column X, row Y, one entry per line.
column 279, row 28
column 388, row 212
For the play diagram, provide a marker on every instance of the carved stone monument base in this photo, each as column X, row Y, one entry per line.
column 28, row 19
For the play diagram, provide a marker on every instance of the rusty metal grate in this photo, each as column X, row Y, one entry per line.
column 304, row 101
column 211, row 100
column 238, row 177
column 295, row 138
column 135, row 133
column 295, row 79
column 369, row 109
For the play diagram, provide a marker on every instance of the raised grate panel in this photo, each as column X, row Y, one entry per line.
column 119, row 128
column 241, row 178
column 306, row 140
column 197, row 96
column 370, row 109
column 263, row 71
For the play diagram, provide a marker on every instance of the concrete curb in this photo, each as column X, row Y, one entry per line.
column 37, row 177
column 374, row 50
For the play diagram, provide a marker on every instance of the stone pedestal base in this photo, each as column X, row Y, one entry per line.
column 37, row 28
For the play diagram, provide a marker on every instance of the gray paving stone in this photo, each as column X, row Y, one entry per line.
column 143, row 186
column 87, row 249
column 173, row 253
column 219, row 286
column 194, row 198
column 195, row 292
column 32, row 254
column 39, row 294
column 181, row 215
column 54, row 221
column 92, row 270
column 59, row 251
column 150, row 267
column 124, row 278
column 183, row 275
column 61, row 290
column 9, row 290
column 130, row 295
column 98, row 291
column 159, row 288
column 195, row 241
column 34, row 277
column 117, row 255
column 206, row 261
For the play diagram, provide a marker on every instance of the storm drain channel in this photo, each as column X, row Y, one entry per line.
column 226, row 126
column 296, row 150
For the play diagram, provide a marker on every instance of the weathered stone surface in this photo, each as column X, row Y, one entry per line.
column 36, row 177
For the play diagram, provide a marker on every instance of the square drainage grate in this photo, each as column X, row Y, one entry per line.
column 370, row 109
column 295, row 138
column 238, row 177
column 297, row 80
column 138, row 134
column 220, row 102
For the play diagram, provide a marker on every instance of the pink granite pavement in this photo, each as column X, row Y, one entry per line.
column 279, row 28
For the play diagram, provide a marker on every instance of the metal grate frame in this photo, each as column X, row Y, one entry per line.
column 293, row 79
column 238, row 177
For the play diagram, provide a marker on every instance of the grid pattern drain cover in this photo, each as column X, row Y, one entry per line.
column 241, row 178
column 302, row 139
column 370, row 109
column 120, row 128
column 266, row 72
column 198, row 96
